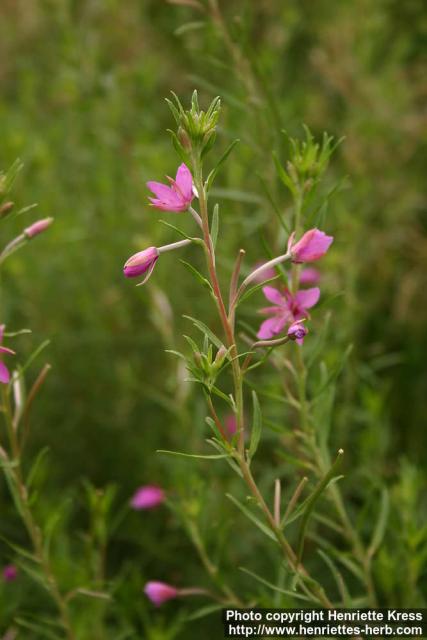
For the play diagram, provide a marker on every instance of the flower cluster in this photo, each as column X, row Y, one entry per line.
column 287, row 313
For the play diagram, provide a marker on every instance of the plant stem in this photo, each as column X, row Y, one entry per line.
column 317, row 592
column 19, row 492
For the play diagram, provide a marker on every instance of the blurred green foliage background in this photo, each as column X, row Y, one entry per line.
column 82, row 105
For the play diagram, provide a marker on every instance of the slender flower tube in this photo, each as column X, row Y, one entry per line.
column 312, row 246
column 147, row 497
column 38, row 227
column 264, row 274
column 178, row 196
column 10, row 573
column 259, row 274
column 160, row 592
column 4, row 371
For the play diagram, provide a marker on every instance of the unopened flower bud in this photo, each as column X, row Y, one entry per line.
column 140, row 263
column 10, row 573
column 147, row 497
column 221, row 353
column 160, row 592
column 6, row 208
column 38, row 227
column 297, row 331
column 184, row 138
column 312, row 246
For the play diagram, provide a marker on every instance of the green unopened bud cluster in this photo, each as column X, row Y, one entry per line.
column 204, row 365
column 196, row 128
column 308, row 161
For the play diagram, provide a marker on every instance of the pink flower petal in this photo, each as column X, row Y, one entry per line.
column 162, row 191
column 271, row 327
column 184, row 181
column 307, row 298
column 312, row 246
column 147, row 497
column 273, row 295
column 4, row 373
column 160, row 592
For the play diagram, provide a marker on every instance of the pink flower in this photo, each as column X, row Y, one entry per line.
column 297, row 331
column 230, row 424
column 287, row 309
column 160, row 592
column 38, row 227
column 310, row 275
column 10, row 573
column 312, row 246
column 140, row 263
column 178, row 196
column 4, row 371
column 147, row 497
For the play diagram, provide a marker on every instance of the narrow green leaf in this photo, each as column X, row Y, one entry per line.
column 204, row 611
column 270, row 585
column 311, row 500
column 340, row 582
column 381, row 525
column 256, row 425
column 211, row 177
column 179, row 231
column 206, row 331
column 203, row 281
column 189, row 26
column 248, row 513
column 215, row 225
column 194, row 455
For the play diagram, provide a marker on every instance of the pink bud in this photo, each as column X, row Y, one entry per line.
column 10, row 573
column 312, row 246
column 38, row 227
column 297, row 331
column 230, row 423
column 147, row 497
column 141, row 262
column 160, row 592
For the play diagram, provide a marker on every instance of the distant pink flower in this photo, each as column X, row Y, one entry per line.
column 147, row 497
column 38, row 227
column 297, row 331
column 287, row 309
column 312, row 246
column 10, row 573
column 230, row 424
column 140, row 263
column 160, row 592
column 178, row 196
column 4, row 371
column 310, row 275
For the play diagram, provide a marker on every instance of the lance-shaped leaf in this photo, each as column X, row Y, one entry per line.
column 211, row 177
column 256, row 426
column 311, row 501
column 248, row 513
column 206, row 331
